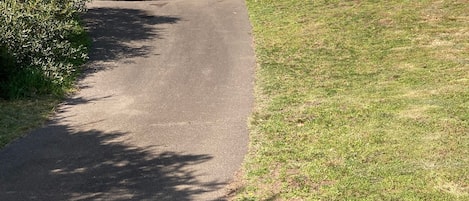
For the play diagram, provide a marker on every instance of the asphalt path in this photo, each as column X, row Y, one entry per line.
column 161, row 113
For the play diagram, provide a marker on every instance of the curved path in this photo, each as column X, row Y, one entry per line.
column 161, row 113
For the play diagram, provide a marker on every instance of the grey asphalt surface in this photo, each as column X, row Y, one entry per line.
column 161, row 114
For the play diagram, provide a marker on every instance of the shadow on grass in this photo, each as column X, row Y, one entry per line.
column 58, row 163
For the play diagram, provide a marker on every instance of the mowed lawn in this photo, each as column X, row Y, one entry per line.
column 359, row 100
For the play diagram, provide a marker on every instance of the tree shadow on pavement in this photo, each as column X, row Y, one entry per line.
column 119, row 33
column 58, row 163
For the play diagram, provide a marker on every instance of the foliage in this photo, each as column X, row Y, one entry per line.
column 360, row 100
column 36, row 45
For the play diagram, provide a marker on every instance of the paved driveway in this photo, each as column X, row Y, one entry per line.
column 161, row 113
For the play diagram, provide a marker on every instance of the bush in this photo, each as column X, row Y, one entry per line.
column 38, row 47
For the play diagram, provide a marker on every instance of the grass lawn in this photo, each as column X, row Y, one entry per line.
column 18, row 116
column 359, row 100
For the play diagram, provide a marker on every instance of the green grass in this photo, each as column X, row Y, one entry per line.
column 359, row 100
column 19, row 116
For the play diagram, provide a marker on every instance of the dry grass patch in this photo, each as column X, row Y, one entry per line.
column 360, row 100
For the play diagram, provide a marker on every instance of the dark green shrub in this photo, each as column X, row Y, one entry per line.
column 37, row 55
